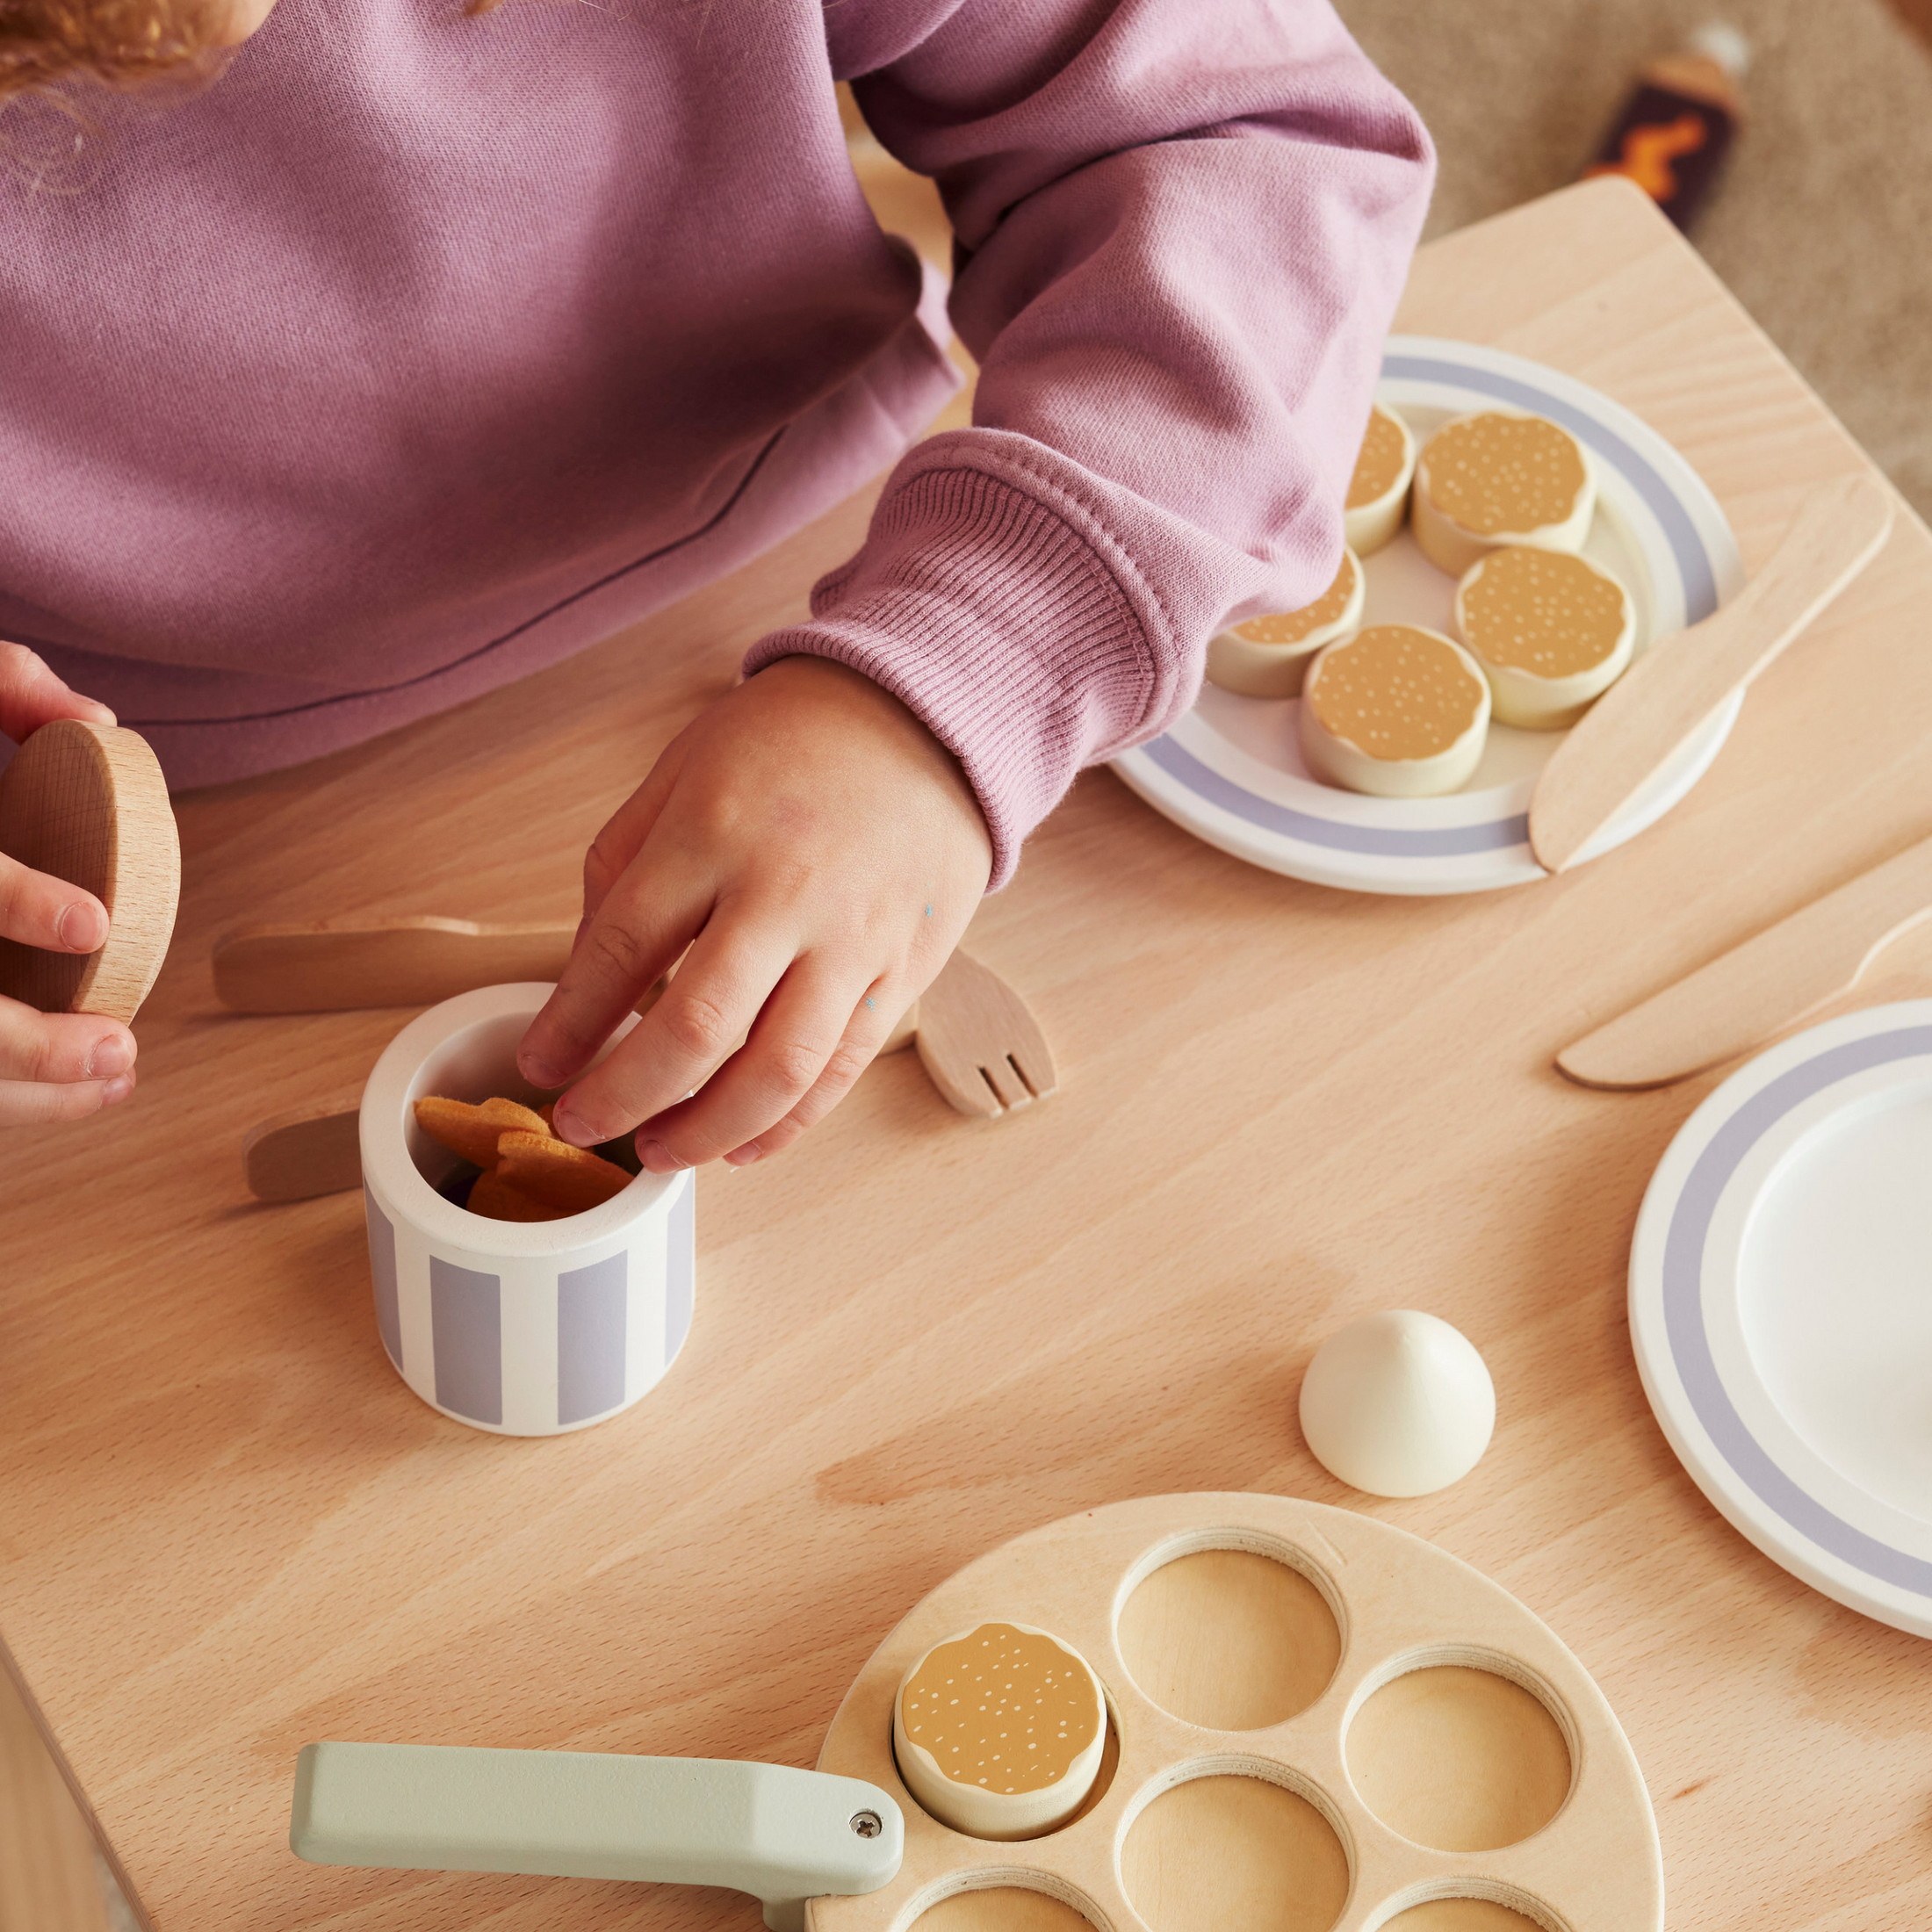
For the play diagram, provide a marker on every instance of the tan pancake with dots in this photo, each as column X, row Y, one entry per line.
column 1497, row 474
column 1543, row 611
column 1379, row 468
column 1291, row 626
column 1396, row 692
column 1004, row 1709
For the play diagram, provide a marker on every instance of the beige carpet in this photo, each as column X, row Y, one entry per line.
column 1820, row 226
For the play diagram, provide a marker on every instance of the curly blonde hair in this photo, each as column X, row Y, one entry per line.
column 118, row 43
column 115, row 42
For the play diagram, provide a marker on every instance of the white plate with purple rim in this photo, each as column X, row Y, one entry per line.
column 1781, row 1306
column 1230, row 772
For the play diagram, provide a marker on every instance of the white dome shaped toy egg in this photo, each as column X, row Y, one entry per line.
column 999, row 1731
column 1398, row 1403
column 1378, row 492
column 1396, row 712
column 1269, row 656
column 1497, row 477
column 1551, row 633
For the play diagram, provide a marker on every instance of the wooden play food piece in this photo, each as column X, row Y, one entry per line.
column 497, row 1198
column 1395, row 711
column 566, row 1179
column 1251, row 1825
column 1552, row 632
column 1640, row 726
column 473, row 1128
column 1496, row 478
column 1398, row 1403
column 1378, row 492
column 1269, row 657
column 999, row 1731
column 88, row 804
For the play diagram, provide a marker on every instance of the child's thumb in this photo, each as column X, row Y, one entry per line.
column 32, row 695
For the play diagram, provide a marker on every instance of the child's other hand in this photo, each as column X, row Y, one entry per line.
column 53, row 1066
column 821, row 852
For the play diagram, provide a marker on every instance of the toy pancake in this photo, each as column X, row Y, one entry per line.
column 1497, row 477
column 88, row 804
column 1314, row 1720
column 1269, row 656
column 1396, row 710
column 1378, row 492
column 1551, row 632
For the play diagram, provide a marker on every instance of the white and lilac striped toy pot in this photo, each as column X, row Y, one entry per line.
column 525, row 1328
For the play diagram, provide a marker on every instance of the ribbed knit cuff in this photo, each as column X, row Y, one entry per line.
column 999, row 626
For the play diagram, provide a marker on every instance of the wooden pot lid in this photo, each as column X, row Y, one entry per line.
column 88, row 804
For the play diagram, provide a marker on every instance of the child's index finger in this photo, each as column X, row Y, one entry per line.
column 688, row 1034
column 620, row 953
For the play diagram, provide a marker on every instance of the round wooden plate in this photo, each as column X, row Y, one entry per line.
column 1438, row 1708
column 1778, row 1306
column 1232, row 771
column 87, row 803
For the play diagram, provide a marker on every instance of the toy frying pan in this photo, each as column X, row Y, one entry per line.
column 1313, row 1719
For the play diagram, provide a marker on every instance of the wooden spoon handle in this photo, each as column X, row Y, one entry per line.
column 1757, row 989
column 333, row 966
column 1670, row 692
column 310, row 1150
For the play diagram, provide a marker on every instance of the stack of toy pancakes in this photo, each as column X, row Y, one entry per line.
column 1502, row 502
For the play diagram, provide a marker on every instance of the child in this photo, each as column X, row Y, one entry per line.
column 419, row 350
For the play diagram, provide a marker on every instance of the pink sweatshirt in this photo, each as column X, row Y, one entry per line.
column 422, row 350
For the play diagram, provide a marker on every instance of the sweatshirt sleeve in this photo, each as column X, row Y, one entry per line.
column 1181, row 229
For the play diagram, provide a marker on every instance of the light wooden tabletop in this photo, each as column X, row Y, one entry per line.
column 227, row 1528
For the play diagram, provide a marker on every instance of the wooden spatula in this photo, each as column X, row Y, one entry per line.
column 983, row 1050
column 1674, row 689
column 88, row 804
column 1758, row 990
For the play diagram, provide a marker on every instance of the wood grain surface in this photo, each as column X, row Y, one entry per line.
column 229, row 1528
column 47, row 1857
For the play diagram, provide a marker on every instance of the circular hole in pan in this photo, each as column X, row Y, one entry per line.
column 1228, row 1851
column 1464, row 1914
column 1229, row 1639
column 1459, row 1753
column 1002, row 1909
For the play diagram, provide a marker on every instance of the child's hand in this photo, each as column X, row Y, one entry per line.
column 821, row 852
column 53, row 1066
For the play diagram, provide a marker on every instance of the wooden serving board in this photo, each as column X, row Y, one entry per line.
column 1398, row 1734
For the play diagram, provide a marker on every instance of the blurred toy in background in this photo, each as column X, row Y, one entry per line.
column 1674, row 129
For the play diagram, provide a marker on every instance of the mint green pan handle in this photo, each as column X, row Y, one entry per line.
column 784, row 1836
